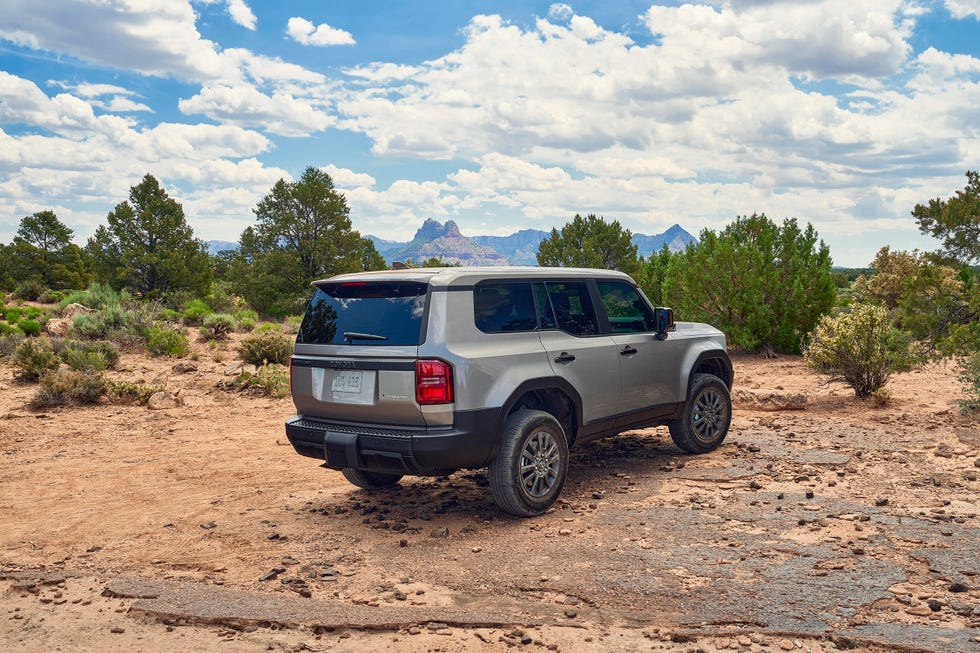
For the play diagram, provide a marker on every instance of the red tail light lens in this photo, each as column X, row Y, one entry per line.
column 433, row 382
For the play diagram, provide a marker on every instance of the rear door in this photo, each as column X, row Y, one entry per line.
column 355, row 352
column 576, row 350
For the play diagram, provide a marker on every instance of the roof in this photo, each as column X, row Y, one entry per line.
column 473, row 274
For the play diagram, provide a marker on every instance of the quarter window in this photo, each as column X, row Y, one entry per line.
column 504, row 307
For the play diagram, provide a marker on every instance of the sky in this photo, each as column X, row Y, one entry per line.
column 499, row 115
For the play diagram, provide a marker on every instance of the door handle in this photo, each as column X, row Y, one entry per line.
column 628, row 350
column 564, row 357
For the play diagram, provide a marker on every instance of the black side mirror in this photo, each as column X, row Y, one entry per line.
column 663, row 322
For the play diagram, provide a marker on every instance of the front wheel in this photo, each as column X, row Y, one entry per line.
column 706, row 418
column 529, row 472
column 370, row 480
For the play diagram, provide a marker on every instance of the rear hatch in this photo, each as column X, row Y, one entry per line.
column 356, row 349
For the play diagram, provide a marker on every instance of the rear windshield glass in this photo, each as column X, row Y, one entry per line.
column 364, row 313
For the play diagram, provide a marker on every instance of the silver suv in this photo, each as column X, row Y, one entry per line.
column 428, row 370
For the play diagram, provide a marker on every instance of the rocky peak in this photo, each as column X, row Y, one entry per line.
column 430, row 230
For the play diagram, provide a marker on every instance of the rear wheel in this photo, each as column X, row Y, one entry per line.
column 370, row 480
column 529, row 471
column 706, row 418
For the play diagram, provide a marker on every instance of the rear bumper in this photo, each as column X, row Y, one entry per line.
column 470, row 443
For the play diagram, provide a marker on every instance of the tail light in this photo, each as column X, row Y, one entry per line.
column 433, row 382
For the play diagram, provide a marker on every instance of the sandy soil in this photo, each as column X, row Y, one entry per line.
column 209, row 492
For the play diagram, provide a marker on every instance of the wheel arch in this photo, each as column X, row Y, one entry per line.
column 552, row 395
column 716, row 362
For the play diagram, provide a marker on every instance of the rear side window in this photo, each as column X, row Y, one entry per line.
column 503, row 307
column 571, row 307
column 365, row 313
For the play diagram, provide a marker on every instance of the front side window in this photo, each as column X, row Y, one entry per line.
column 503, row 307
column 383, row 313
column 571, row 305
column 627, row 311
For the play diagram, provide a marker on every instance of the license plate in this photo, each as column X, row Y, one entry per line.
column 347, row 381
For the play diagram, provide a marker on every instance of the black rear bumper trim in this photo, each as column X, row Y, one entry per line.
column 470, row 443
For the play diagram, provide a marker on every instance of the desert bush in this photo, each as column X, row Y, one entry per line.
column 264, row 347
column 9, row 342
column 165, row 341
column 7, row 329
column 217, row 326
column 88, row 356
column 106, row 349
column 860, row 348
column 246, row 319
column 67, row 387
column 269, row 327
column 52, row 296
column 969, row 374
column 89, row 325
column 291, row 324
column 29, row 290
column 127, row 392
column 269, row 380
column 195, row 311
column 13, row 313
column 33, row 357
column 221, row 298
column 169, row 314
column 97, row 296
column 29, row 327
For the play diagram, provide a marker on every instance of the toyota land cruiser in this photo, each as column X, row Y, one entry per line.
column 429, row 370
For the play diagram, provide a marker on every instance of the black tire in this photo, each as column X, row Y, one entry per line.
column 370, row 480
column 707, row 416
column 529, row 471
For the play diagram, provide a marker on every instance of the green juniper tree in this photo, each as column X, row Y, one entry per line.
column 763, row 284
column 590, row 242
column 42, row 251
column 303, row 232
column 148, row 246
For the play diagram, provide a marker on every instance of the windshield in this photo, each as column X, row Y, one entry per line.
column 365, row 313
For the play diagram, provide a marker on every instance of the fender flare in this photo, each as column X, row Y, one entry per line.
column 542, row 383
column 713, row 354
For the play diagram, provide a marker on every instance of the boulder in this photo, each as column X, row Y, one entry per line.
column 74, row 310
column 58, row 326
column 161, row 401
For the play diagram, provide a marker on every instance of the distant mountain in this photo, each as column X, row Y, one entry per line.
column 383, row 246
column 215, row 246
column 521, row 248
column 676, row 238
column 435, row 239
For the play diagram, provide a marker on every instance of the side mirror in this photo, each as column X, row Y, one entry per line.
column 663, row 322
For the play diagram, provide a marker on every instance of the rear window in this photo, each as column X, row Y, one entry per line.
column 364, row 313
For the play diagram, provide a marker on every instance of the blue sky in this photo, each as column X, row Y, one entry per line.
column 498, row 115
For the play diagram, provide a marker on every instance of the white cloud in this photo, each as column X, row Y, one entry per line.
column 964, row 8
column 74, row 158
column 560, row 12
column 246, row 106
column 306, row 33
column 346, row 178
column 242, row 14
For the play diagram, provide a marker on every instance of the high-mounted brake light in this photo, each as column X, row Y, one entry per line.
column 433, row 382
